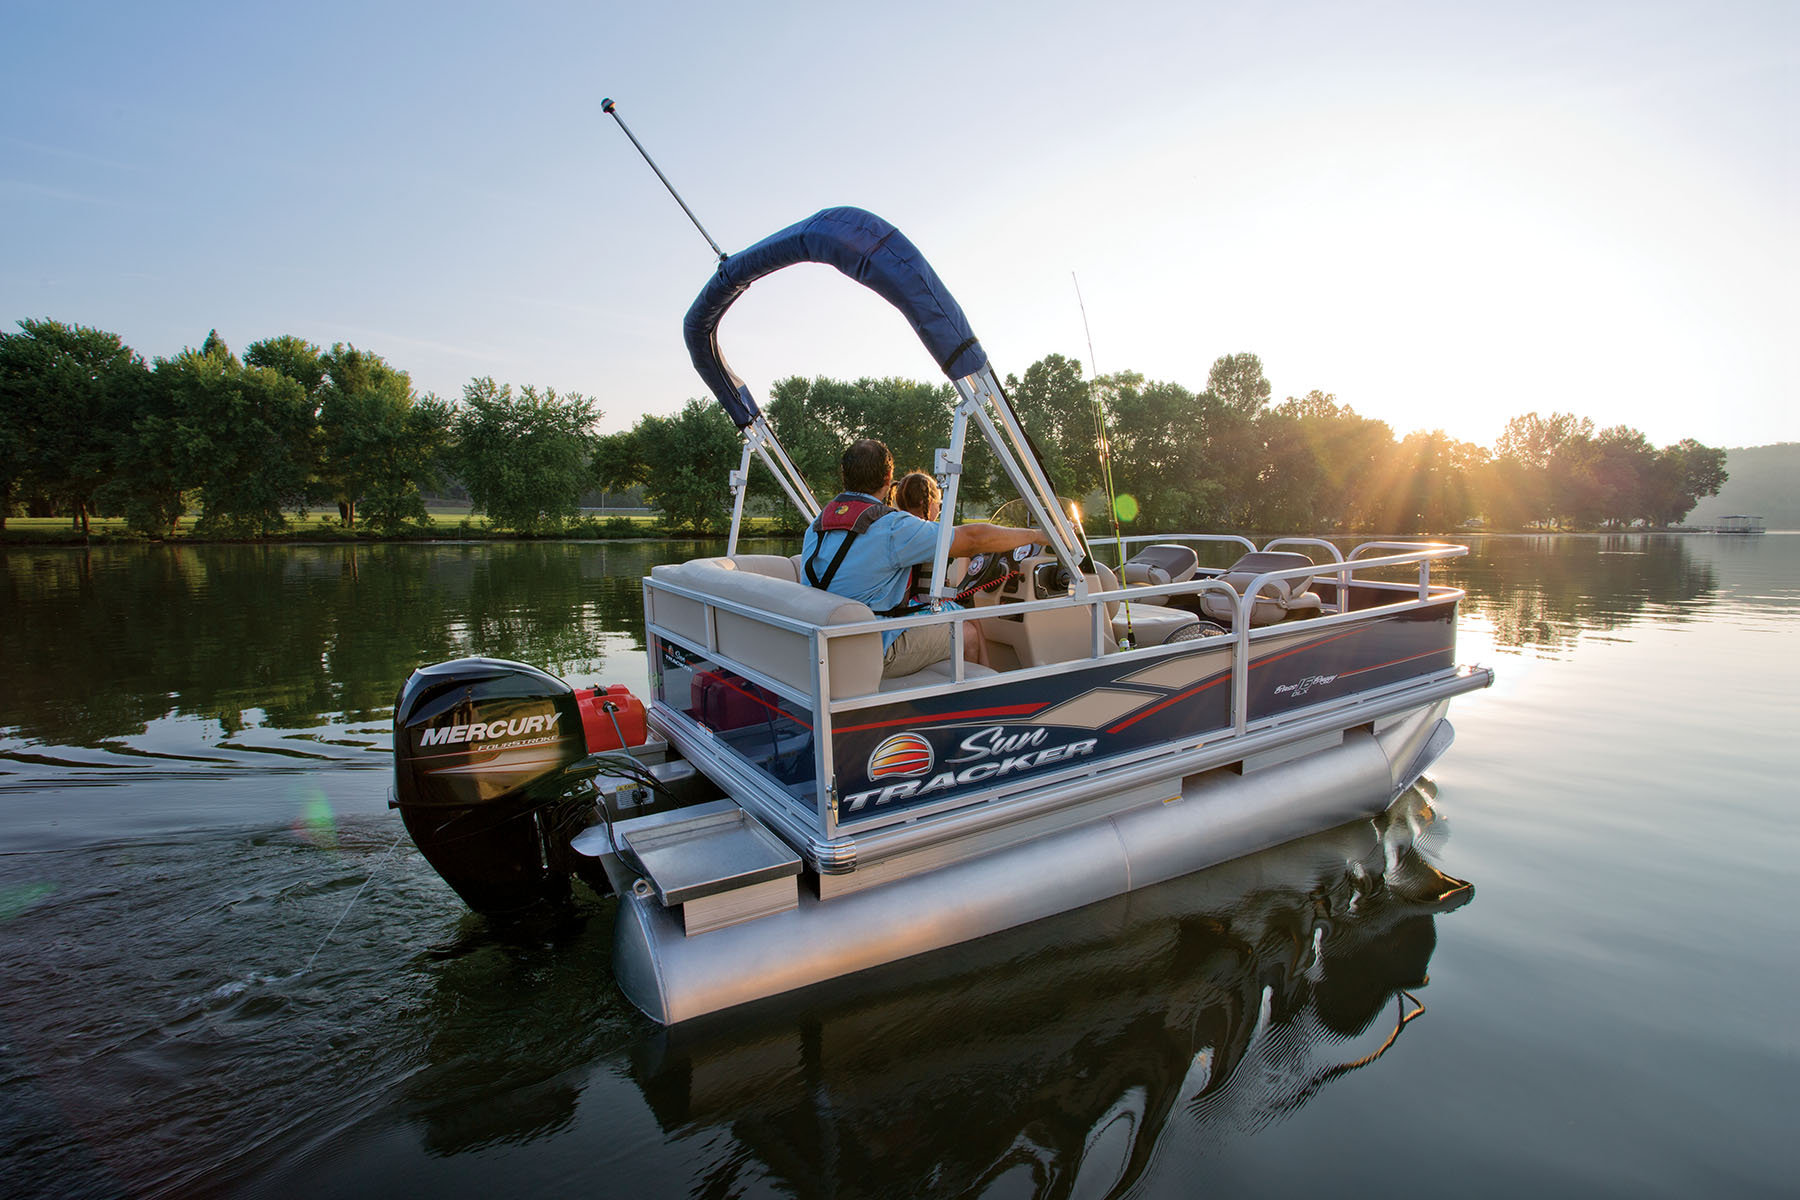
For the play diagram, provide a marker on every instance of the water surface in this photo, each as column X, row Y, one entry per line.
column 194, row 768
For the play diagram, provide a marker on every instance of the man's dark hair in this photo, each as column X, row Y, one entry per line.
column 866, row 466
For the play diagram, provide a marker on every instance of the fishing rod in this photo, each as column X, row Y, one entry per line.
column 612, row 110
column 763, row 443
column 1103, row 443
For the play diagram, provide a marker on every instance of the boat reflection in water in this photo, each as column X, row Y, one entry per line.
column 1049, row 1059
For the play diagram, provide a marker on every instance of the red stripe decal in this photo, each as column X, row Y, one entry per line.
column 774, row 708
column 1261, row 662
column 1395, row 663
column 1324, row 641
column 923, row 719
column 1178, row 697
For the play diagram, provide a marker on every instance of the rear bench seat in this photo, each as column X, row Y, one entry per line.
column 770, row 582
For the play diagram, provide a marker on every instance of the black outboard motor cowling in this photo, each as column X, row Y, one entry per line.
column 479, row 746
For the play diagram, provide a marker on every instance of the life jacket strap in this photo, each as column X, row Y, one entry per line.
column 850, row 515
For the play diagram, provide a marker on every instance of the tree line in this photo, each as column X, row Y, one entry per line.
column 239, row 443
column 1224, row 458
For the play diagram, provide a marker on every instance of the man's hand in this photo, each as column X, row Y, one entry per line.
column 985, row 539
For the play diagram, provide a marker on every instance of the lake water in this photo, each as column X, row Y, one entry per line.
column 225, row 972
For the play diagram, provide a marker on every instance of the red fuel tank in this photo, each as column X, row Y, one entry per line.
column 601, row 708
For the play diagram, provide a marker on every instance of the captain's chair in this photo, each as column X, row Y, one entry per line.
column 1160, row 564
column 1276, row 600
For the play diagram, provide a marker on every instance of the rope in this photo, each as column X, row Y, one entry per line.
column 376, row 870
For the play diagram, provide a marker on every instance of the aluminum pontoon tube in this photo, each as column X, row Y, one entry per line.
column 1220, row 816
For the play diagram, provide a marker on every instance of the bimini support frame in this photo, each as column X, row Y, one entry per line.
column 984, row 403
column 872, row 252
column 760, row 439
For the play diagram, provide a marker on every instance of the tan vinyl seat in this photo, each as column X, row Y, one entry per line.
column 775, row 566
column 762, row 581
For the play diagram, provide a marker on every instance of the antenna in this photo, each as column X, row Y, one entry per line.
column 612, row 110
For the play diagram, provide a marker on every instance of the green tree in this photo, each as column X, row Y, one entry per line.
column 154, row 475
column 526, row 457
column 687, row 460
column 378, row 445
column 1055, row 407
column 1622, row 470
column 1322, row 464
column 816, row 419
column 616, row 464
column 14, row 454
column 1237, row 380
column 1546, row 463
column 65, row 393
column 292, row 356
column 1680, row 477
column 1577, row 493
column 813, row 442
column 1507, row 493
column 1533, row 440
column 404, row 461
column 1160, row 453
column 912, row 418
column 242, row 434
column 1236, row 458
column 1426, row 485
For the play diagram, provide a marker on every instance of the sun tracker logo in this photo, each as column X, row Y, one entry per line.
column 903, row 754
column 990, row 754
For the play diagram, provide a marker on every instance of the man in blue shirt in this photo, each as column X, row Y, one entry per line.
column 862, row 550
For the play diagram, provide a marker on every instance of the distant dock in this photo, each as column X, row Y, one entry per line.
column 1735, row 525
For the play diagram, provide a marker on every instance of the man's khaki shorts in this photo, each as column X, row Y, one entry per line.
column 916, row 649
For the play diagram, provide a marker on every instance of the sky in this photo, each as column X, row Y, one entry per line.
column 1444, row 215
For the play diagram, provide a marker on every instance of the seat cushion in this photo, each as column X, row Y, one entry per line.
column 1159, row 564
column 1276, row 599
column 1150, row 624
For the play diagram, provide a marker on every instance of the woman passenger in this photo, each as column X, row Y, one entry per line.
column 918, row 493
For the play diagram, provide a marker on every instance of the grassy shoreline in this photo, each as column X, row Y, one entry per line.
column 439, row 527
column 458, row 526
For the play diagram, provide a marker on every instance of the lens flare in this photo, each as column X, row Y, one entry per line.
column 15, row 900
column 316, row 822
column 1126, row 507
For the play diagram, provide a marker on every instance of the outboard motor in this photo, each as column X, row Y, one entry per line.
column 481, row 746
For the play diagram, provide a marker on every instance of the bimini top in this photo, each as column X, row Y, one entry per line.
column 862, row 246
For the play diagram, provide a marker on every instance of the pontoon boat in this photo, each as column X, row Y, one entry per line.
column 781, row 813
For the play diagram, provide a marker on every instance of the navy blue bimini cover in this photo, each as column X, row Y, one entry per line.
column 862, row 246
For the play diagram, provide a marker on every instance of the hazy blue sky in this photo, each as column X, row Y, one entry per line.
column 1444, row 214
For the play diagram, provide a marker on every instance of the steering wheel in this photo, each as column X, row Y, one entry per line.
column 989, row 570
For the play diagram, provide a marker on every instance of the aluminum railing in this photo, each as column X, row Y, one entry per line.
column 1243, row 636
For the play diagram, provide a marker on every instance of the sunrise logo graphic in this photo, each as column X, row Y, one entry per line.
column 903, row 754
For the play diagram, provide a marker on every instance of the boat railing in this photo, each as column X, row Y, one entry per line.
column 810, row 686
column 1448, row 549
column 1146, row 539
column 1426, row 552
column 1345, row 575
column 1330, row 548
column 1342, row 572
